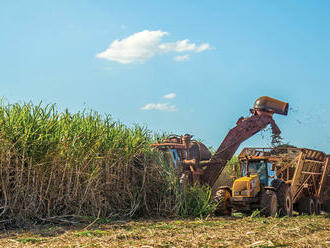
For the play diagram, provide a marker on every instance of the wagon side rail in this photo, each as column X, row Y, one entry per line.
column 311, row 174
column 325, row 179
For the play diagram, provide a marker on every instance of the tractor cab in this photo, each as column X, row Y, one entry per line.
column 262, row 168
column 255, row 174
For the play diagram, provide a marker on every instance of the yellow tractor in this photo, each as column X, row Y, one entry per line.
column 278, row 181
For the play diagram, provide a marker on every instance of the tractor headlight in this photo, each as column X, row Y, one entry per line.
column 236, row 192
column 244, row 192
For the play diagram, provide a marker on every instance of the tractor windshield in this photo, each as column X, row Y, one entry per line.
column 256, row 167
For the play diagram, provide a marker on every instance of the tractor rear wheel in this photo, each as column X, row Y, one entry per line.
column 284, row 198
column 222, row 198
column 269, row 203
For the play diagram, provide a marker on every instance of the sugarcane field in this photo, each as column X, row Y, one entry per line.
column 165, row 124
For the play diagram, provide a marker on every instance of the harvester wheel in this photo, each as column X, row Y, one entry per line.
column 222, row 198
column 269, row 203
column 306, row 206
column 284, row 198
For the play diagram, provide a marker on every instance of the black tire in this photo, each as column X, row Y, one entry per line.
column 301, row 206
column 318, row 206
column 269, row 203
column 222, row 198
column 311, row 206
column 284, row 197
column 306, row 206
column 326, row 206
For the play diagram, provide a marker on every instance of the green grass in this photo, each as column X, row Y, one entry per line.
column 196, row 202
column 31, row 240
column 256, row 213
column 88, row 233
column 296, row 231
column 164, row 226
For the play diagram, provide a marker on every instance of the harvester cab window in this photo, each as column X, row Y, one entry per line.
column 175, row 158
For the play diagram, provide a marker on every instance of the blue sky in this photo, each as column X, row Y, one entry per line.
column 237, row 51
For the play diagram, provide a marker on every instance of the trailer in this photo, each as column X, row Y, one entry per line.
column 300, row 178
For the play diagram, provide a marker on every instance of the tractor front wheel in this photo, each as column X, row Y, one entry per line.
column 222, row 198
column 269, row 203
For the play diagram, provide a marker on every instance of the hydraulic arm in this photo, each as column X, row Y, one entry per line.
column 194, row 157
column 244, row 129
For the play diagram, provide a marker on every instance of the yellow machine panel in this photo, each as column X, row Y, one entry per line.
column 246, row 186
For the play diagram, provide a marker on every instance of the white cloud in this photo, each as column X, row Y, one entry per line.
column 169, row 96
column 182, row 58
column 135, row 48
column 184, row 46
column 203, row 47
column 142, row 46
column 160, row 106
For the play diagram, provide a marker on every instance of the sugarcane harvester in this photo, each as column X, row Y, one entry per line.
column 193, row 160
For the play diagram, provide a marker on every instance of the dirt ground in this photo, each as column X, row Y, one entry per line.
column 299, row 231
